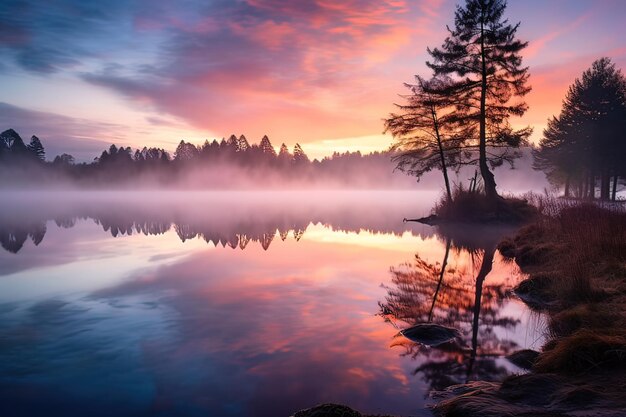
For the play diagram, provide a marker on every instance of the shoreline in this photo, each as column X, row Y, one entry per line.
column 576, row 263
column 575, row 258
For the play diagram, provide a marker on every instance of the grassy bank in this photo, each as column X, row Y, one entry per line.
column 474, row 207
column 575, row 256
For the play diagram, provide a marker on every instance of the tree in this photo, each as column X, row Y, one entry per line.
column 266, row 147
column 284, row 157
column 427, row 136
column 587, row 139
column 11, row 143
column 63, row 160
column 36, row 148
column 299, row 157
column 185, row 151
column 484, row 55
column 242, row 144
column 557, row 158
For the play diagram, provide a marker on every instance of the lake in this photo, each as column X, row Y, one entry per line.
column 244, row 303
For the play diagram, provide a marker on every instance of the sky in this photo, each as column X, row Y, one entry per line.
column 323, row 73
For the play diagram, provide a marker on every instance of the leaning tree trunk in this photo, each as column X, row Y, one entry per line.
column 441, row 275
column 442, row 155
column 614, row 193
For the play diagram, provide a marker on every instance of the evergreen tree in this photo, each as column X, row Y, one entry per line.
column 266, row 147
column 284, row 157
column 484, row 55
column 185, row 151
column 64, row 160
column 140, row 155
column 36, row 148
column 299, row 157
column 11, row 143
column 242, row 144
column 587, row 139
column 426, row 132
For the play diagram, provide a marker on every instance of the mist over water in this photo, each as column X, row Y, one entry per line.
column 242, row 303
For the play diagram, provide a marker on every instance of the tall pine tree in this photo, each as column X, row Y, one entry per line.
column 483, row 55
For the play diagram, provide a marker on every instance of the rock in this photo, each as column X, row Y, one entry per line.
column 430, row 334
column 524, row 358
column 534, row 293
column 328, row 410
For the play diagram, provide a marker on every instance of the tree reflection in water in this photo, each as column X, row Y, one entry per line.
column 454, row 293
column 221, row 219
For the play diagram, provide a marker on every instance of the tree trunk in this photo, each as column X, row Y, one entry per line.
column 605, row 184
column 489, row 181
column 614, row 193
column 442, row 156
column 441, row 275
column 485, row 268
column 592, row 186
column 566, row 192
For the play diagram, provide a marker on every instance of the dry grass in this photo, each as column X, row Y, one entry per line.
column 475, row 207
column 576, row 257
column 534, row 395
column 584, row 351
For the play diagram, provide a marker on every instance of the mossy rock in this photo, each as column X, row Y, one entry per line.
column 328, row 410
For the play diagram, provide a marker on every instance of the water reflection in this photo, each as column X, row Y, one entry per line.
column 455, row 293
column 223, row 219
column 146, row 320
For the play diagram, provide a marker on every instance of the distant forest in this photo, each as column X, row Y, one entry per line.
column 229, row 163
column 232, row 161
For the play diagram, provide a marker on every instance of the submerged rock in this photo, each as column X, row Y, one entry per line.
column 524, row 358
column 328, row 410
column 430, row 334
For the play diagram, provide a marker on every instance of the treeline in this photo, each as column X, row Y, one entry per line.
column 13, row 148
column 585, row 146
column 211, row 164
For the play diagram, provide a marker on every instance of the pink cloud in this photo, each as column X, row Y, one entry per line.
column 295, row 70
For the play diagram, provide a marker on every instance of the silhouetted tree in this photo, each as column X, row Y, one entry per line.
column 426, row 132
column 588, row 138
column 36, row 148
column 63, row 160
column 266, row 147
column 299, row 157
column 185, row 151
column 284, row 157
column 12, row 144
column 117, row 165
column 242, row 144
column 484, row 55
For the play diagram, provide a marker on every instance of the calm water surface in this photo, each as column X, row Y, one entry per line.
column 243, row 304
